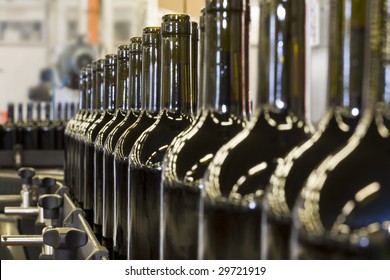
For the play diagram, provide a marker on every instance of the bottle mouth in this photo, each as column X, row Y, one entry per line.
column 176, row 24
column 123, row 51
column 151, row 35
column 100, row 64
column 136, row 45
column 110, row 59
column 226, row 5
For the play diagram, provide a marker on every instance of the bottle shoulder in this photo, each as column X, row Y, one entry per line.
column 241, row 169
column 191, row 151
column 346, row 195
column 150, row 147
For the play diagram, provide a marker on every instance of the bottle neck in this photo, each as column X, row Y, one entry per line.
column 151, row 73
column 110, row 85
column 175, row 73
column 11, row 113
column 20, row 112
column 282, row 57
column 47, row 112
column 66, row 112
column 72, row 109
column 59, row 111
column 194, row 62
column 39, row 112
column 202, row 29
column 225, row 62
column 99, row 93
column 135, row 73
column 346, row 54
column 93, row 99
column 83, row 90
column 29, row 112
column 122, row 101
column 88, row 90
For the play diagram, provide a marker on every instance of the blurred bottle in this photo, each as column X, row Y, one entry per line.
column 224, row 114
column 59, row 125
column 346, row 72
column 145, row 83
column 19, row 124
column 9, row 129
column 148, row 151
column 236, row 178
column 343, row 211
column 30, row 130
column 46, row 129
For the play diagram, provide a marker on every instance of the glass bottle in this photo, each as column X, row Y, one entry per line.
column 95, row 86
column 114, row 132
column 236, row 178
column 148, row 151
column 9, row 134
column 224, row 115
column 107, row 100
column 30, row 131
column 70, row 127
column 149, row 89
column 46, row 131
column 343, row 210
column 346, row 72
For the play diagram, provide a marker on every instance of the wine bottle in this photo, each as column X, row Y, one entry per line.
column 9, row 134
column 343, row 209
column 113, row 130
column 108, row 100
column 236, row 178
column 149, row 71
column 345, row 86
column 224, row 115
column 30, row 131
column 94, row 87
column 202, row 50
column 148, row 151
column 46, row 131
column 70, row 127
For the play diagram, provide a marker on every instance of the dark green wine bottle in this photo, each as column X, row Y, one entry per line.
column 145, row 83
column 345, row 84
column 148, row 151
column 46, row 131
column 9, row 134
column 343, row 211
column 224, row 115
column 234, row 184
column 121, row 121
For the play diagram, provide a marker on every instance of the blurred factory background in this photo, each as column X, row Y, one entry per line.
column 43, row 44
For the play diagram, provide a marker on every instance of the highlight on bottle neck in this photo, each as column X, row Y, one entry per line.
column 151, row 69
column 225, row 73
column 100, row 94
column 122, row 101
column 110, row 81
column 282, row 57
column 135, row 73
column 202, row 29
column 93, row 98
column 82, row 88
column 194, row 62
column 176, row 63
column 347, row 35
column 89, row 90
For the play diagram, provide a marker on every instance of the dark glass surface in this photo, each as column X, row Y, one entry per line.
column 336, row 127
column 19, row 124
column 343, row 211
column 59, row 125
column 148, row 151
column 236, row 178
